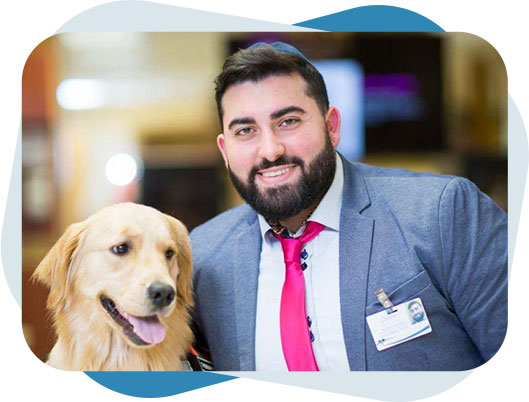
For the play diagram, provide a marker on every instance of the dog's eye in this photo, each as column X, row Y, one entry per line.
column 169, row 253
column 120, row 249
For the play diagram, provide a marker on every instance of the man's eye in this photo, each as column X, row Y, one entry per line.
column 289, row 122
column 120, row 249
column 244, row 131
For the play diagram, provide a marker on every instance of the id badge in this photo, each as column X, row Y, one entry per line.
column 399, row 324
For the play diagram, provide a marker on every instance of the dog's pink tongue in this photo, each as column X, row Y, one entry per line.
column 149, row 329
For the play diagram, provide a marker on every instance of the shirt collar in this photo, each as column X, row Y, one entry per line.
column 328, row 210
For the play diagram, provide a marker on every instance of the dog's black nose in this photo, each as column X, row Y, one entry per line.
column 160, row 294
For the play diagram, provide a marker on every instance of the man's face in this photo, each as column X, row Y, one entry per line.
column 416, row 312
column 277, row 146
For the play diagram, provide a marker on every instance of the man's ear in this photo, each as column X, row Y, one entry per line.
column 221, row 144
column 334, row 123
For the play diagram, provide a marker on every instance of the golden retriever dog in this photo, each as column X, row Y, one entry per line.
column 120, row 290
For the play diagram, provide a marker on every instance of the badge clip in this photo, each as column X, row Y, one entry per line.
column 383, row 298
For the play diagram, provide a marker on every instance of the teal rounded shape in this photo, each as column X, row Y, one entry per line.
column 373, row 19
column 156, row 384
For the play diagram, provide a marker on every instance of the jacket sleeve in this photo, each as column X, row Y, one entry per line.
column 200, row 344
column 473, row 232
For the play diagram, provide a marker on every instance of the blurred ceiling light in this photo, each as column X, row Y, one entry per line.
column 79, row 93
column 83, row 41
column 85, row 93
column 121, row 169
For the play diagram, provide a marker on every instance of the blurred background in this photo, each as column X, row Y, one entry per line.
column 113, row 117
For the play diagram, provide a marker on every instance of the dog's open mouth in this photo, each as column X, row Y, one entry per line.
column 142, row 331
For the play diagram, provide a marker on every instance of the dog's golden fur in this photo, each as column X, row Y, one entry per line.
column 81, row 267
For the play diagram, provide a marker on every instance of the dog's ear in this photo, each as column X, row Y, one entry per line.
column 184, row 259
column 53, row 269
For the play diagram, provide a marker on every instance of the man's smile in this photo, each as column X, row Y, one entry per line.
column 277, row 174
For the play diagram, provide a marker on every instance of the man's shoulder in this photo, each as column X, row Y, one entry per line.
column 394, row 187
column 214, row 232
column 419, row 196
column 380, row 172
column 224, row 222
column 398, row 181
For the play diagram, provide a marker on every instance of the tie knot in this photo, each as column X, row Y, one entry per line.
column 292, row 246
column 291, row 249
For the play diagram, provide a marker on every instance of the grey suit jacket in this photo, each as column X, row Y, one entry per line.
column 414, row 234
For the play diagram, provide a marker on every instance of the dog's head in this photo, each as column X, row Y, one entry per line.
column 130, row 260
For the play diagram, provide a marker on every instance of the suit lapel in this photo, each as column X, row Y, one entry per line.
column 356, row 235
column 246, row 271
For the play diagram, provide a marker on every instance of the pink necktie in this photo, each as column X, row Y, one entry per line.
column 295, row 334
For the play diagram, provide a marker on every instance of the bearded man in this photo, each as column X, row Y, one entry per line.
column 286, row 280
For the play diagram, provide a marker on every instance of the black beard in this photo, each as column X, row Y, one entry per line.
column 288, row 200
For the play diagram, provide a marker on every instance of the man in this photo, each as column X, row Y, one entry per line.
column 436, row 238
column 416, row 312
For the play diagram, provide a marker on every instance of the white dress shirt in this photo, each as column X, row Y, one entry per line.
column 322, row 289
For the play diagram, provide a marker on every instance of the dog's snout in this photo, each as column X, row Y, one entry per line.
column 160, row 294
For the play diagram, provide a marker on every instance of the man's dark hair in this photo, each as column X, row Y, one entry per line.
column 264, row 61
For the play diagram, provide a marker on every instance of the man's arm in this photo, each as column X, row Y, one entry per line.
column 200, row 344
column 473, row 232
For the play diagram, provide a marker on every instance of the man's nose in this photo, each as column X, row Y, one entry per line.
column 270, row 146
